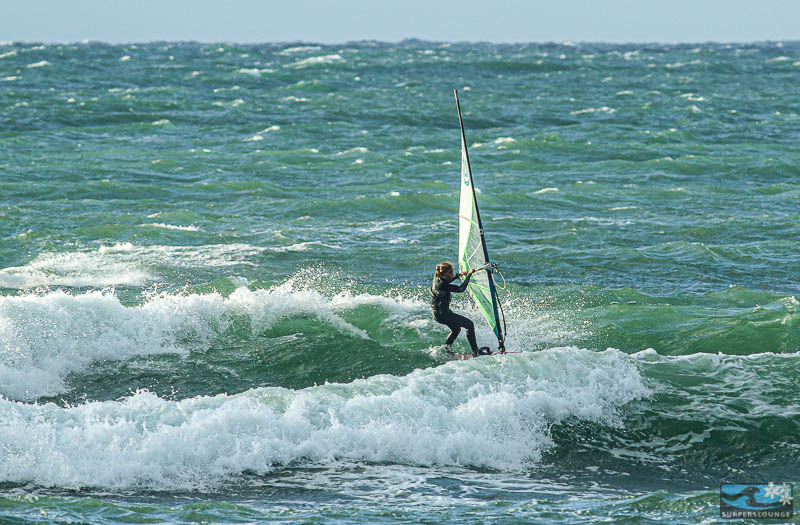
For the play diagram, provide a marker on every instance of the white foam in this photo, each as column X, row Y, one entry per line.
column 545, row 190
column 678, row 65
column 265, row 307
column 258, row 136
column 490, row 412
column 377, row 226
column 324, row 59
column 118, row 247
column 74, row 269
column 604, row 109
column 605, row 221
column 302, row 246
column 211, row 255
column 403, row 240
column 43, row 338
column 162, row 122
column 124, row 264
column 693, row 97
column 357, row 149
column 397, row 305
column 171, row 227
column 43, row 63
column 8, row 54
column 299, row 49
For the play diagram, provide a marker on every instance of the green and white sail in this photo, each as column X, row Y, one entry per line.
column 472, row 252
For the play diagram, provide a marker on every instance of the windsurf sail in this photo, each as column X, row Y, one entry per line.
column 472, row 252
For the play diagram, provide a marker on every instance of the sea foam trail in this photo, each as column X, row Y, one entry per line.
column 491, row 412
column 43, row 338
column 125, row 264
column 74, row 269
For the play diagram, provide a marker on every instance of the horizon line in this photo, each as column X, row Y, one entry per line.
column 404, row 40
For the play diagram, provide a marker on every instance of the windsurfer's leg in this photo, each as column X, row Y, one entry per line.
column 454, row 331
column 460, row 321
column 473, row 342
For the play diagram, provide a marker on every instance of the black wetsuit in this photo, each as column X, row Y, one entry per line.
column 440, row 306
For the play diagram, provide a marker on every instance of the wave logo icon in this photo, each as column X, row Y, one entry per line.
column 756, row 500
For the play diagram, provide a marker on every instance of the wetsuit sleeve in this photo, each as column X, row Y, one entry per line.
column 458, row 289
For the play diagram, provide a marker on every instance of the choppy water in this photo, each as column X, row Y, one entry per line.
column 214, row 263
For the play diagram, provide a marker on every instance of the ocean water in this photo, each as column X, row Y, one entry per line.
column 215, row 260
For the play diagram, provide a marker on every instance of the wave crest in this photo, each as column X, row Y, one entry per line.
column 489, row 412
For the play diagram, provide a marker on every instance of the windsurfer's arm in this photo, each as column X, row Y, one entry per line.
column 463, row 286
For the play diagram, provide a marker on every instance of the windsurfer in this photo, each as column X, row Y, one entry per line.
column 440, row 305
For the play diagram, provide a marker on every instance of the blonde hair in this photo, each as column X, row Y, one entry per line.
column 444, row 268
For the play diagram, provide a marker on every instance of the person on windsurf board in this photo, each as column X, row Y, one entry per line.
column 440, row 307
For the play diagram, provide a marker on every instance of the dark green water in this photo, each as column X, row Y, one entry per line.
column 214, row 262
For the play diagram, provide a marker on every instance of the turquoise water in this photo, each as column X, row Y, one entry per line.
column 214, row 263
